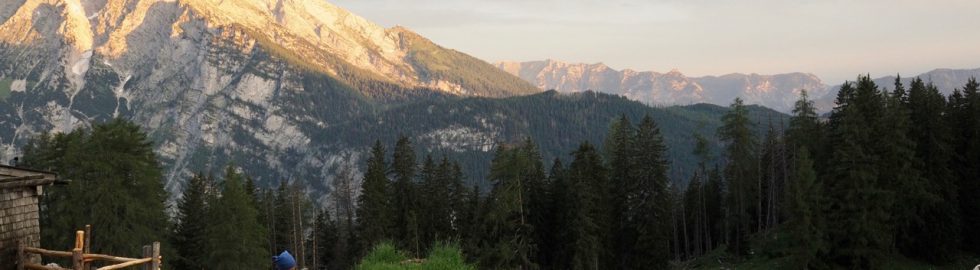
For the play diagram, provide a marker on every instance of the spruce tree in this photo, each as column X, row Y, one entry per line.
column 740, row 155
column 618, row 149
column 509, row 234
column 192, row 218
column 117, row 186
column 234, row 234
column 695, row 221
column 551, row 255
column 859, row 206
column 935, row 235
column 374, row 214
column 713, row 200
column 647, row 201
column 343, row 202
column 773, row 175
column 804, row 226
column 326, row 238
column 586, row 217
column 283, row 219
column 459, row 212
column 470, row 223
column 405, row 225
column 964, row 118
column 435, row 188
column 805, row 129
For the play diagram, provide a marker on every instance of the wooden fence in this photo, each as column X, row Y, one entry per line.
column 82, row 259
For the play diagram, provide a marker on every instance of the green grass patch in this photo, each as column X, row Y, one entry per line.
column 442, row 257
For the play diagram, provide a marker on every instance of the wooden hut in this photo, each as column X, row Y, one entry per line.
column 20, row 191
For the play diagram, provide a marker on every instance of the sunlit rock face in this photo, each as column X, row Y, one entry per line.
column 671, row 88
column 779, row 92
column 246, row 82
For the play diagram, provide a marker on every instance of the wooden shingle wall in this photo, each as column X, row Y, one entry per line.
column 18, row 221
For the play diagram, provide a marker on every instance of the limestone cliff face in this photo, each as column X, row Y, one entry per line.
column 671, row 88
column 250, row 82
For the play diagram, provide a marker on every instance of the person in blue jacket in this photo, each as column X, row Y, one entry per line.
column 284, row 261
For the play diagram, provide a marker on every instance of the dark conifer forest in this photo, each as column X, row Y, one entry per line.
column 892, row 173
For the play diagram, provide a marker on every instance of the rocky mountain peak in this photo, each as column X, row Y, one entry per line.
column 671, row 88
column 214, row 81
column 313, row 34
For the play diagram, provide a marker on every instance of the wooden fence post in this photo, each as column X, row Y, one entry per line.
column 156, row 262
column 87, row 249
column 77, row 259
column 77, row 254
column 146, row 254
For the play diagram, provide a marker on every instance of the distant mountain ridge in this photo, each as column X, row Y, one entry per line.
column 778, row 91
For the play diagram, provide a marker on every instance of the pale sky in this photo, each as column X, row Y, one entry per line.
column 834, row 39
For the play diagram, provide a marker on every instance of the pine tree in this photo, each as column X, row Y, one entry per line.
column 551, row 227
column 343, row 201
column 805, row 129
column 773, row 175
column 459, row 212
column 936, row 230
column 117, row 186
column 647, row 201
column 695, row 220
column 192, row 218
column 267, row 216
column 618, row 155
column 713, row 199
column 471, row 220
column 404, row 203
column 964, row 118
column 804, row 226
column 709, row 195
column 284, row 219
column 234, row 234
column 436, row 209
column 326, row 239
column 740, row 154
column 859, row 205
column 586, row 224
column 509, row 234
column 374, row 211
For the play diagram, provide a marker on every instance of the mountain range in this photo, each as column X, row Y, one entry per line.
column 777, row 91
column 284, row 89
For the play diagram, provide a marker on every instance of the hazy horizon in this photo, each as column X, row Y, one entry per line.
column 836, row 40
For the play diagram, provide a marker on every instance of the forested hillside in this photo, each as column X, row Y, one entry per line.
column 469, row 129
column 886, row 182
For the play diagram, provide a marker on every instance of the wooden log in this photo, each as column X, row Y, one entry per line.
column 100, row 257
column 45, row 252
column 80, row 240
column 41, row 267
column 77, row 260
column 156, row 261
column 126, row 264
column 25, row 183
column 22, row 178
